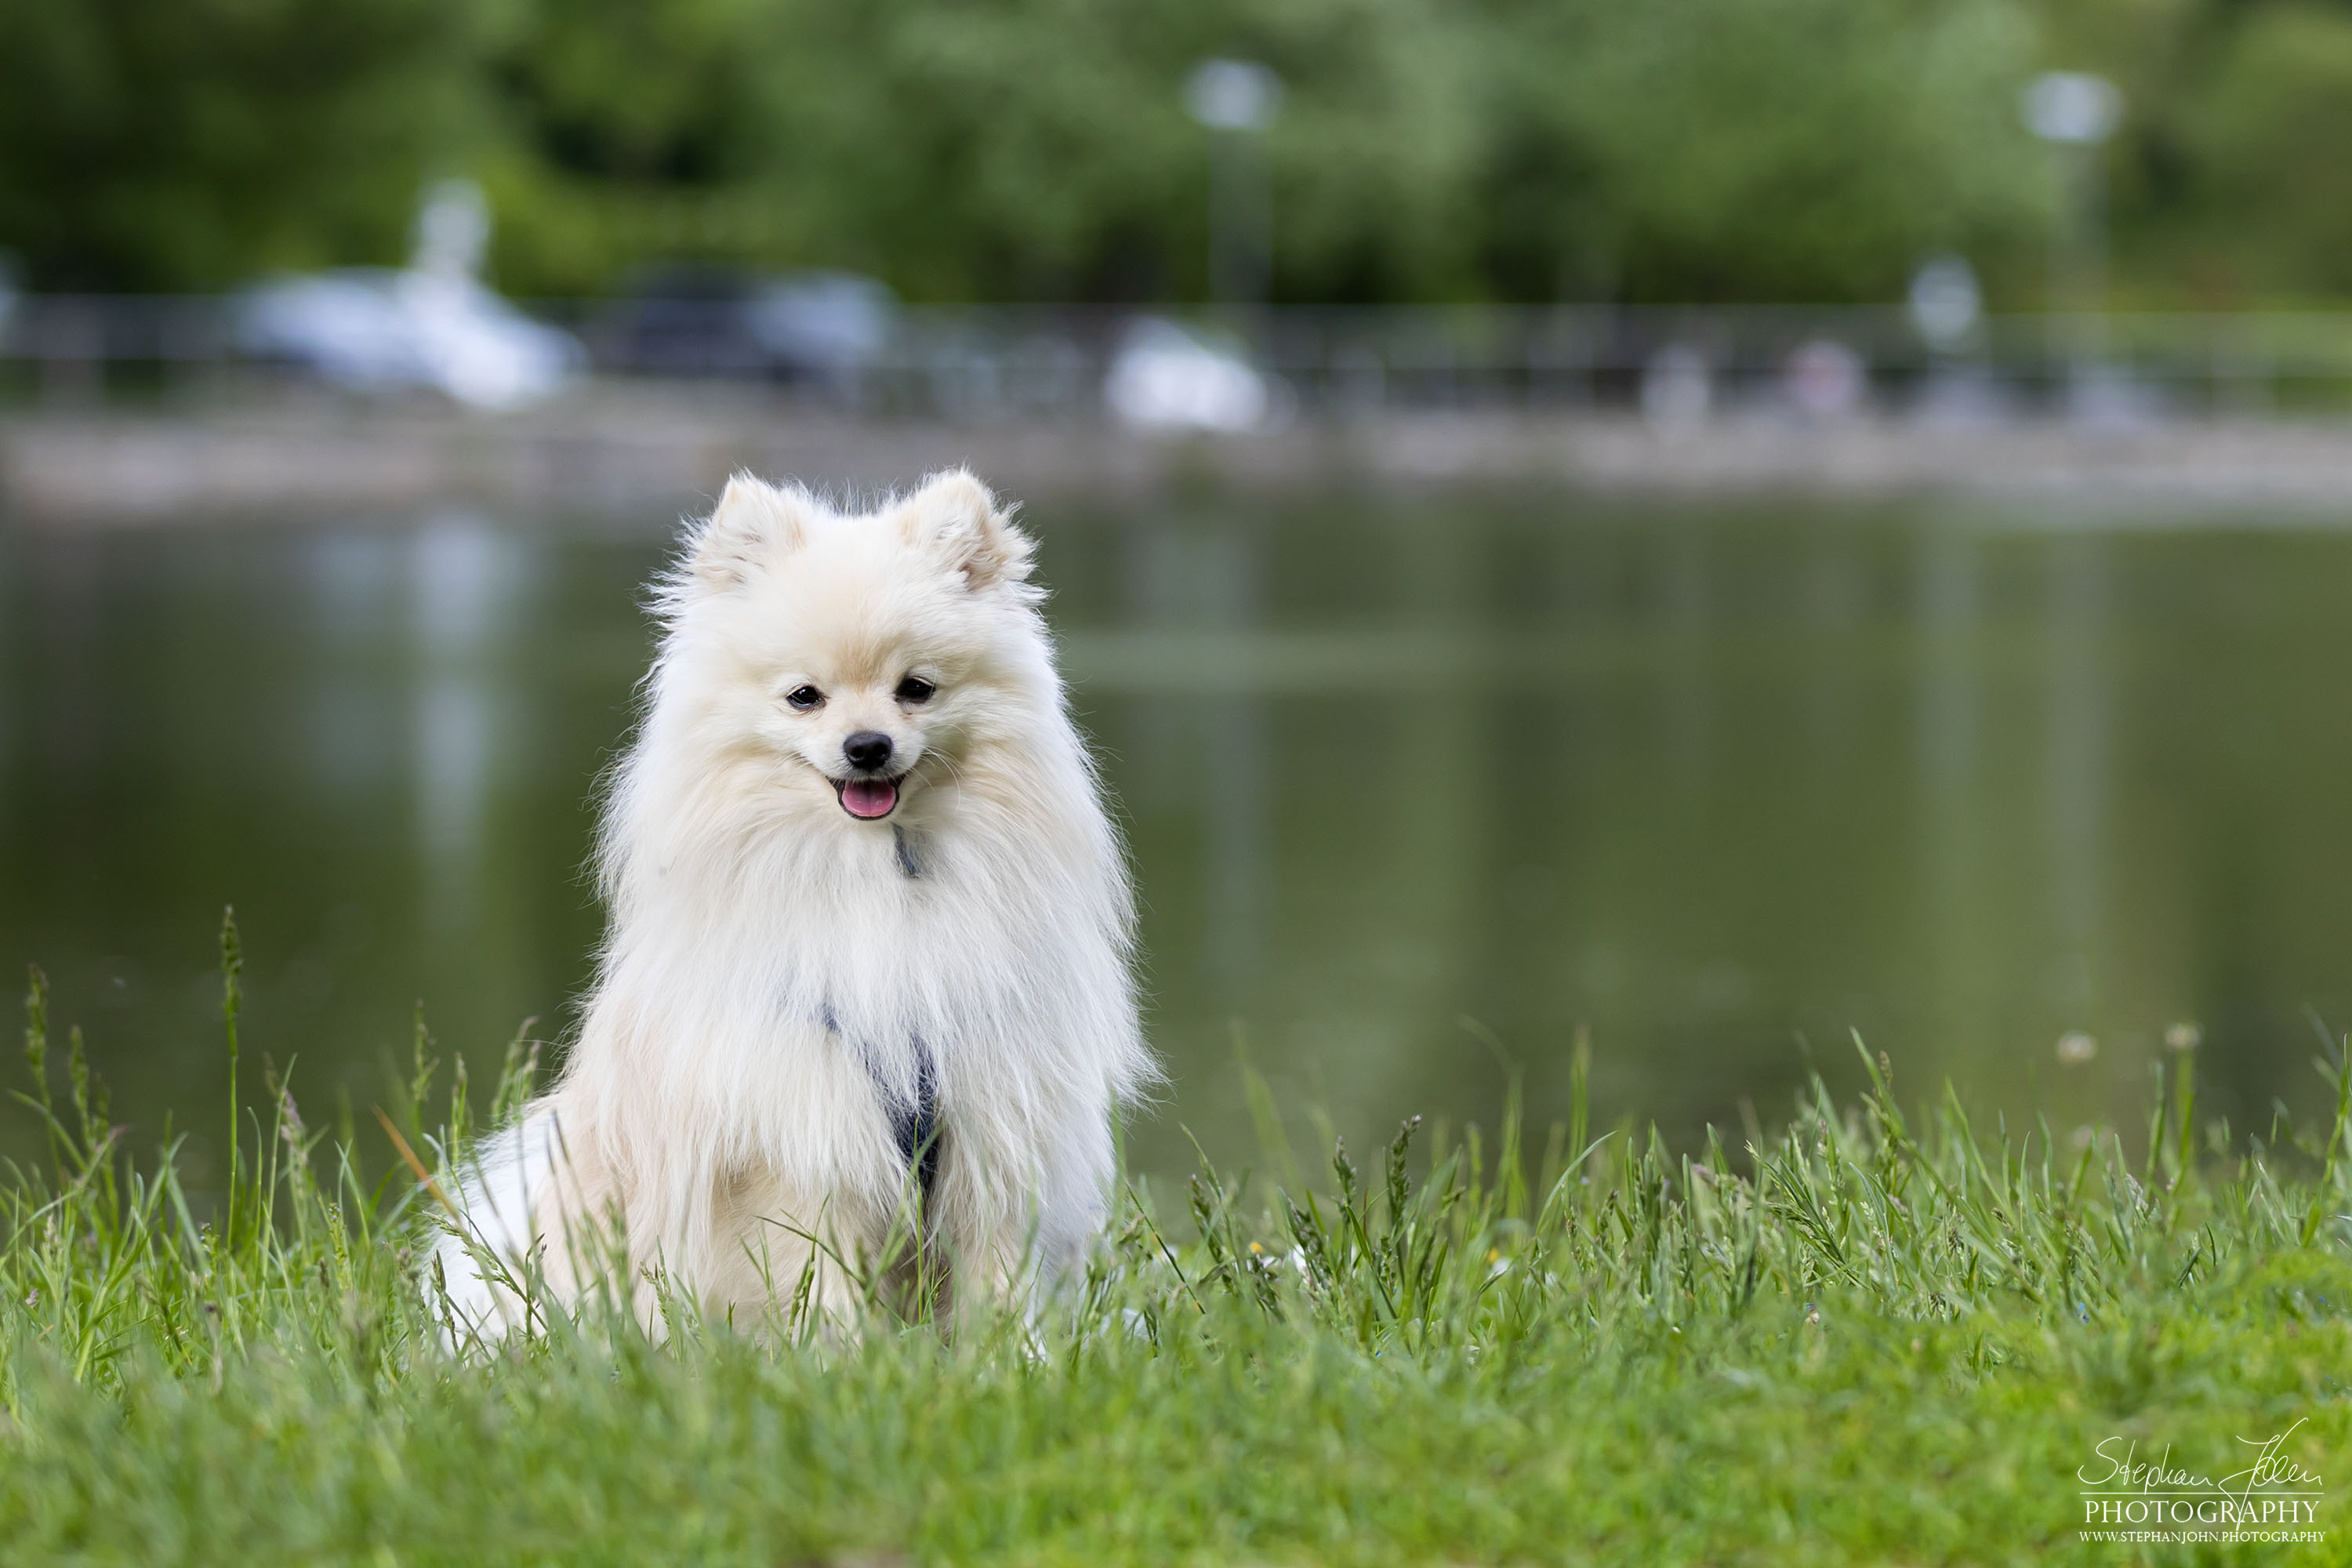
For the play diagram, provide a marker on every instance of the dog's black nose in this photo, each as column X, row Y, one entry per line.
column 868, row 749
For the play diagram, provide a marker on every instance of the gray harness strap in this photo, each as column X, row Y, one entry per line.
column 914, row 1128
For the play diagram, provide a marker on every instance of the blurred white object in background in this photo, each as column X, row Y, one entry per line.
column 453, row 230
column 2074, row 113
column 1946, row 310
column 1946, row 306
column 346, row 327
column 2072, row 107
column 1165, row 375
column 480, row 350
column 1826, row 379
column 435, row 326
column 369, row 329
column 1237, row 101
column 1233, row 95
column 1677, row 388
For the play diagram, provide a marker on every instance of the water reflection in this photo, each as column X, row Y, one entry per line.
column 1720, row 786
column 2076, row 747
column 1950, row 694
column 463, row 580
column 1204, row 581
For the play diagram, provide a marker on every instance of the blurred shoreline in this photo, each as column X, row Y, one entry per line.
column 612, row 446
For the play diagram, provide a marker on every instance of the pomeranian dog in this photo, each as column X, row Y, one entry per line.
column 867, row 978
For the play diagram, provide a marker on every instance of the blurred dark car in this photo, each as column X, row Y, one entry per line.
column 818, row 328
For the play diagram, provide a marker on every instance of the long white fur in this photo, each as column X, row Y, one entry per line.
column 708, row 1120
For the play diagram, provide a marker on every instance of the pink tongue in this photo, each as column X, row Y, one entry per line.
column 869, row 798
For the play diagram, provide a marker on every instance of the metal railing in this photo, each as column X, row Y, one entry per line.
column 981, row 362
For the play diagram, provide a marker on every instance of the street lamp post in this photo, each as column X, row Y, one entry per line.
column 1236, row 100
column 2074, row 113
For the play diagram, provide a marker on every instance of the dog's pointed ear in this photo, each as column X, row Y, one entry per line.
column 956, row 518
column 753, row 524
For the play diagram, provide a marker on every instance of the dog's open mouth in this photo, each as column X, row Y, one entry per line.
column 868, row 800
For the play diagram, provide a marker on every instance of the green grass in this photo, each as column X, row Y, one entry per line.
column 1861, row 1340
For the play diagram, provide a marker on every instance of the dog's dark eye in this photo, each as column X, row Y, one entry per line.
column 915, row 689
column 803, row 699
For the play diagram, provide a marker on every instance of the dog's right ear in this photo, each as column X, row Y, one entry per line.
column 754, row 523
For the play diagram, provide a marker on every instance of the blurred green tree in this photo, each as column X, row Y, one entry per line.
column 191, row 143
column 1038, row 149
column 635, row 132
column 1706, row 149
column 2269, row 138
column 1007, row 149
column 1724, row 150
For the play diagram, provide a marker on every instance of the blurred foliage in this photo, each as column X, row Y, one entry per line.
column 1017, row 149
column 1038, row 149
column 2268, row 134
column 177, row 144
column 1759, row 148
column 2230, row 180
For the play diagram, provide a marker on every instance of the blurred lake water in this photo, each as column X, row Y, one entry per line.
column 1720, row 786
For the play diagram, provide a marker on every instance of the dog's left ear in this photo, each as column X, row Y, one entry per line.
column 956, row 518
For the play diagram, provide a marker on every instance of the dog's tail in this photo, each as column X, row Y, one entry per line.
column 481, row 1280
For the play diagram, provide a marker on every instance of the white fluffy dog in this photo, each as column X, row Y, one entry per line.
column 868, row 955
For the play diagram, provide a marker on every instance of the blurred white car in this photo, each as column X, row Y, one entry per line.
column 1166, row 376
column 374, row 330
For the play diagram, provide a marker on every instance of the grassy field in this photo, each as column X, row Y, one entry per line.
column 1868, row 1337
